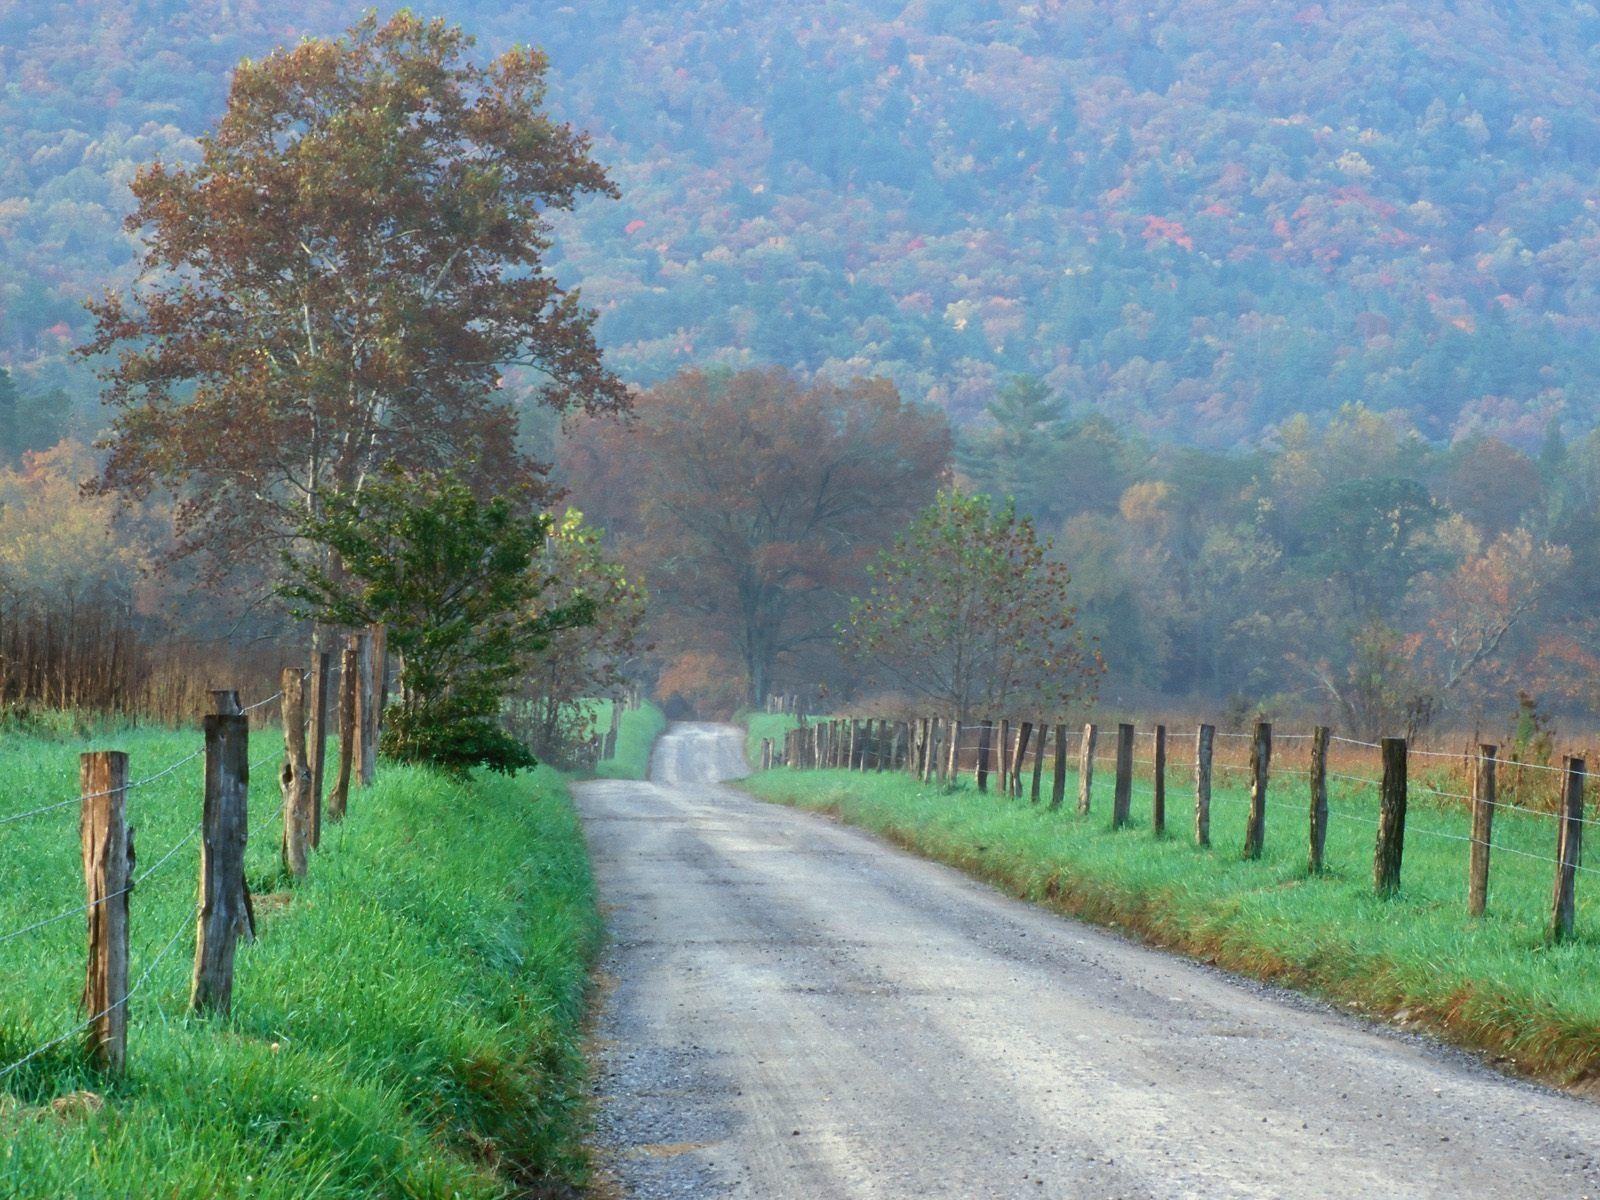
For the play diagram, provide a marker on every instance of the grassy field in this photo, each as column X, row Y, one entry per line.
column 765, row 725
column 405, row 1025
column 1493, row 984
column 640, row 728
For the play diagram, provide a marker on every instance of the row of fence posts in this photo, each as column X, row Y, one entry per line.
column 224, row 912
column 929, row 748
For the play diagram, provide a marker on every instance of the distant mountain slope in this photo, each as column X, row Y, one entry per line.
column 1198, row 216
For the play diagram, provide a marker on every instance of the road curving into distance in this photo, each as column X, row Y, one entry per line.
column 798, row 1010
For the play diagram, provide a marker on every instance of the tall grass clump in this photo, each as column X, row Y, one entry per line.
column 406, row 1023
column 1495, row 984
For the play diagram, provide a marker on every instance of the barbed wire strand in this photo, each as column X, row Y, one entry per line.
column 83, row 1025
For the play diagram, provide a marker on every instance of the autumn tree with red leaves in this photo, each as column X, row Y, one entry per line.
column 340, row 280
column 751, row 504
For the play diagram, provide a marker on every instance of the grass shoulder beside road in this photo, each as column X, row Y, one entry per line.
column 407, row 1023
column 636, row 737
column 765, row 725
column 1491, row 984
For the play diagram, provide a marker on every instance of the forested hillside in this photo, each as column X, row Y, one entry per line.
column 1199, row 218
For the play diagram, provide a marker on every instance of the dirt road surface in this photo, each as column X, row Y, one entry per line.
column 800, row 1011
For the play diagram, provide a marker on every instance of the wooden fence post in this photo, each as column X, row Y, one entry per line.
column 349, row 666
column 952, row 767
column 366, row 710
column 225, row 912
column 1038, row 764
column 380, row 686
column 1255, row 830
column 1483, row 785
column 1058, row 777
column 1204, row 742
column 1005, row 757
column 295, row 778
column 1569, row 850
column 1319, row 798
column 1158, row 806
column 1020, row 759
column 1086, row 767
column 107, row 876
column 1122, row 795
column 1391, row 842
column 985, row 733
column 318, row 736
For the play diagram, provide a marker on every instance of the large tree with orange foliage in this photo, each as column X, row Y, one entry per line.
column 752, row 502
column 339, row 281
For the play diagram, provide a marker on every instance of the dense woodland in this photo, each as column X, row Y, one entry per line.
column 1200, row 219
column 1301, row 297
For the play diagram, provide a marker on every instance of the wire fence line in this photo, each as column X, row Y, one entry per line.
column 999, row 755
column 83, row 1026
column 191, row 909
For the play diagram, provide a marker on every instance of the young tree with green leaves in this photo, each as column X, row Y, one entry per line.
column 966, row 609
column 459, row 586
column 342, row 278
column 580, row 663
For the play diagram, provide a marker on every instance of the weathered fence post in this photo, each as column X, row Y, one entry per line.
column 1319, row 798
column 363, row 678
column 1391, row 843
column 295, row 778
column 1569, row 850
column 1086, row 767
column 1038, row 764
column 1483, row 784
column 349, row 666
column 225, row 913
column 1020, row 759
column 1255, row 830
column 1122, row 795
column 985, row 733
column 951, row 774
column 1058, row 777
column 1204, row 741
column 853, row 763
column 1005, row 757
column 318, row 736
column 766, row 751
column 107, row 877
column 1158, row 806
column 380, row 689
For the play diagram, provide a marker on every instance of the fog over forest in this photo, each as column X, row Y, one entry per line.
column 1280, row 321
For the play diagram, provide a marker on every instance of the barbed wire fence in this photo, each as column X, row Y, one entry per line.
column 116, row 892
column 1405, row 791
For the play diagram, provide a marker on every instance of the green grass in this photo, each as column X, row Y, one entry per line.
column 1492, row 984
column 637, row 735
column 765, row 725
column 405, row 1025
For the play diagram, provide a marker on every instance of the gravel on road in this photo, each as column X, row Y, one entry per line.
column 798, row 1010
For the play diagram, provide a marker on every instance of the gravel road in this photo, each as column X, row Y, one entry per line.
column 798, row 1011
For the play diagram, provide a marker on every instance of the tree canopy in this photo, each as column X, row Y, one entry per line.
column 966, row 610
column 342, row 278
column 751, row 502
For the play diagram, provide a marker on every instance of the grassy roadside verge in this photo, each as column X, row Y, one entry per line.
column 635, row 738
column 1492, row 985
column 407, row 1023
column 765, row 725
